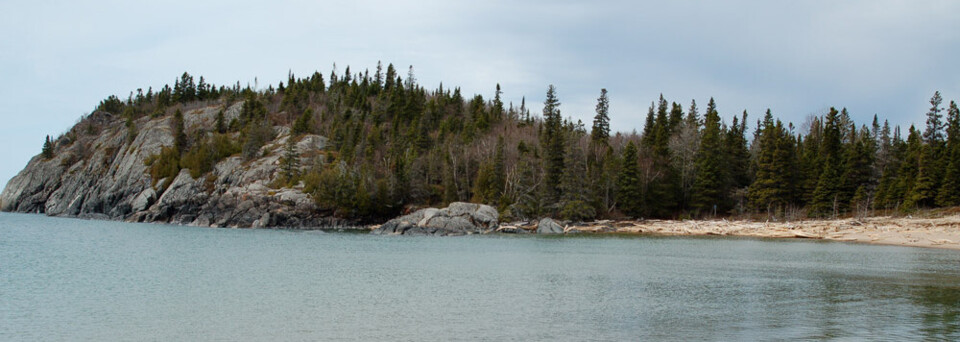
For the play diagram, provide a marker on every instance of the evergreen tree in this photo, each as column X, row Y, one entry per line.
column 496, row 110
column 47, row 150
column 552, row 140
column 290, row 163
column 499, row 177
column 772, row 189
column 949, row 193
column 303, row 123
column 600, row 132
column 527, row 203
column 629, row 191
column 708, row 186
column 737, row 155
column 929, row 168
column 858, row 171
column 574, row 204
column 179, row 132
column 131, row 129
column 909, row 171
column 825, row 196
column 220, row 125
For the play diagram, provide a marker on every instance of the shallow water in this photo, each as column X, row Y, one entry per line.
column 65, row 279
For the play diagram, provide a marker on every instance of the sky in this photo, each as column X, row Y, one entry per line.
column 58, row 59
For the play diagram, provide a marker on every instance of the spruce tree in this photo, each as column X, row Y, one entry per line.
column 708, row 186
column 908, row 173
column 290, row 163
column 220, row 125
column 824, row 199
column 772, row 189
column 302, row 125
column 737, row 155
column 600, row 132
column 629, row 191
column 47, row 150
column 930, row 166
column 499, row 177
column 949, row 193
column 552, row 140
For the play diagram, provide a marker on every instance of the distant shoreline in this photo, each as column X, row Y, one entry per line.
column 941, row 232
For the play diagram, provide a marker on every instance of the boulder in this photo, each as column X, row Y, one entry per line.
column 549, row 226
column 457, row 219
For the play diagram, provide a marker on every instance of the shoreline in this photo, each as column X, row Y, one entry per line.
column 937, row 232
column 942, row 232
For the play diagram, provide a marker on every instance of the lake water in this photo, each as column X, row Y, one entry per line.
column 66, row 279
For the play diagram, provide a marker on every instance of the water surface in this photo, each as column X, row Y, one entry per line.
column 66, row 279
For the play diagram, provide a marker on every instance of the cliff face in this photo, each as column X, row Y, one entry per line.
column 98, row 173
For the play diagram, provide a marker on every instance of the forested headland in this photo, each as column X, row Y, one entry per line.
column 394, row 145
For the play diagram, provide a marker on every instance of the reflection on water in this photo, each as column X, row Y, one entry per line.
column 91, row 280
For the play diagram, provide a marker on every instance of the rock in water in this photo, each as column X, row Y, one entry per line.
column 549, row 226
column 458, row 218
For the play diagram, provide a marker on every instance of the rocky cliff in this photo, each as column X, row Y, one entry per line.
column 97, row 171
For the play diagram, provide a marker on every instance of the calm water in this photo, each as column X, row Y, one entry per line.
column 64, row 279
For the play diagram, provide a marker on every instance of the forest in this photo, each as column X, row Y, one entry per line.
column 394, row 145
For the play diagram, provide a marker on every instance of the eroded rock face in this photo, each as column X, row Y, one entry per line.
column 101, row 174
column 458, row 218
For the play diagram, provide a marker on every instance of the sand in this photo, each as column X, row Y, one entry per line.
column 941, row 232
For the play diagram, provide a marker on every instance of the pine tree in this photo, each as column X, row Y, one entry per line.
column 131, row 128
column 629, row 192
column 930, row 166
column 499, row 176
column 858, row 171
column 737, row 155
column 290, row 163
column 47, row 150
column 825, row 196
column 908, row 173
column 600, row 132
column 949, row 193
column 772, row 189
column 221, row 125
column 496, row 111
column 302, row 125
column 708, row 187
column 552, row 140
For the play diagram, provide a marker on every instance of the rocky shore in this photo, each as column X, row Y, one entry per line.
column 99, row 173
column 468, row 218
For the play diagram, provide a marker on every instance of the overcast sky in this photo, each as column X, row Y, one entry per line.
column 59, row 58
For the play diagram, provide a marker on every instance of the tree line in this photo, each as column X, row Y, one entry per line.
column 396, row 145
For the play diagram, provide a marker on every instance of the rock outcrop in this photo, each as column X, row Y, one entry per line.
column 457, row 219
column 98, row 172
column 549, row 226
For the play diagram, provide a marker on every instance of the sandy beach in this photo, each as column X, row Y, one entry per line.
column 939, row 232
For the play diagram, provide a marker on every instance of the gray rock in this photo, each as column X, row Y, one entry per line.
column 104, row 175
column 549, row 226
column 457, row 219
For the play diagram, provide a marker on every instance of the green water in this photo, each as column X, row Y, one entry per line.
column 65, row 279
